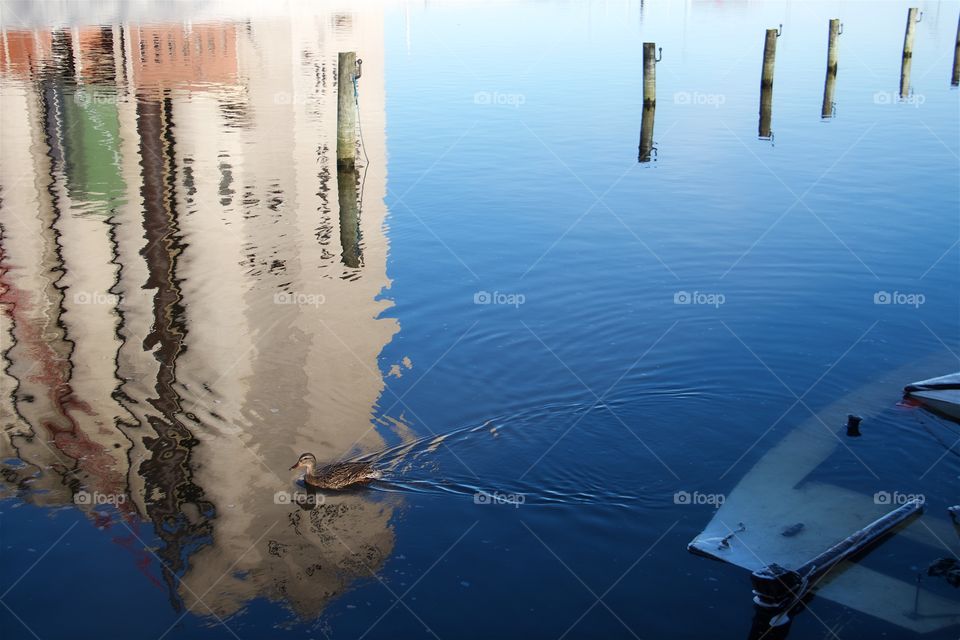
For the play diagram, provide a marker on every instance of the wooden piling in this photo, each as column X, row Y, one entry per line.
column 955, row 79
column 649, row 100
column 346, row 110
column 351, row 255
column 646, row 134
column 834, row 32
column 649, row 74
column 766, row 83
column 907, row 52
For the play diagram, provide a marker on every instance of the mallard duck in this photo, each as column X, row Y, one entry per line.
column 338, row 475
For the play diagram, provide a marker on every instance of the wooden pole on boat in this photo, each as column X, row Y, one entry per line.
column 346, row 110
column 766, row 81
column 907, row 52
column 649, row 100
column 955, row 79
column 834, row 33
column 780, row 589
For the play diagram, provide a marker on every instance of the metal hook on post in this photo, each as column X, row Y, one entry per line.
column 659, row 54
column 780, row 30
column 919, row 16
column 359, row 69
column 840, row 30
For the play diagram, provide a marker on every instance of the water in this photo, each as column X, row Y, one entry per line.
column 190, row 302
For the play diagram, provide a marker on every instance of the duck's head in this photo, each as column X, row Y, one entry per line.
column 306, row 461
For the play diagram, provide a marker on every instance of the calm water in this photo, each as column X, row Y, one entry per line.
column 192, row 296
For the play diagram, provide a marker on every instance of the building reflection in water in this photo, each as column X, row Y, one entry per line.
column 191, row 297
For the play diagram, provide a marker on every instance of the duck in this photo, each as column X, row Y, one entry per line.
column 338, row 475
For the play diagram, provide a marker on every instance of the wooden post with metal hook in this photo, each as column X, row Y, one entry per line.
column 912, row 19
column 346, row 110
column 826, row 110
column 766, row 81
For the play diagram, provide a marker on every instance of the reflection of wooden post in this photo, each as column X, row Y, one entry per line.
column 346, row 110
column 907, row 52
column 827, row 110
column 955, row 80
column 766, row 82
column 649, row 100
column 646, row 134
column 349, row 217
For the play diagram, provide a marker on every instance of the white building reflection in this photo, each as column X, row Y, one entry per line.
column 168, row 190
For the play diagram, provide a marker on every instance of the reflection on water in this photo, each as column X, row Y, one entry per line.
column 192, row 298
column 829, row 107
column 181, row 320
column 766, row 84
column 650, row 60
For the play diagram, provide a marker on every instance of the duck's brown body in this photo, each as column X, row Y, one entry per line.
column 339, row 475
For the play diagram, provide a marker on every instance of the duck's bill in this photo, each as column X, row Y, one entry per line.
column 294, row 466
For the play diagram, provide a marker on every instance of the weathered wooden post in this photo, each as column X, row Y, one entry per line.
column 955, row 80
column 907, row 52
column 649, row 74
column 834, row 32
column 766, row 82
column 649, row 100
column 346, row 110
column 349, row 217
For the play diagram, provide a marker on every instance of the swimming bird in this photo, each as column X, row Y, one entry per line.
column 338, row 475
